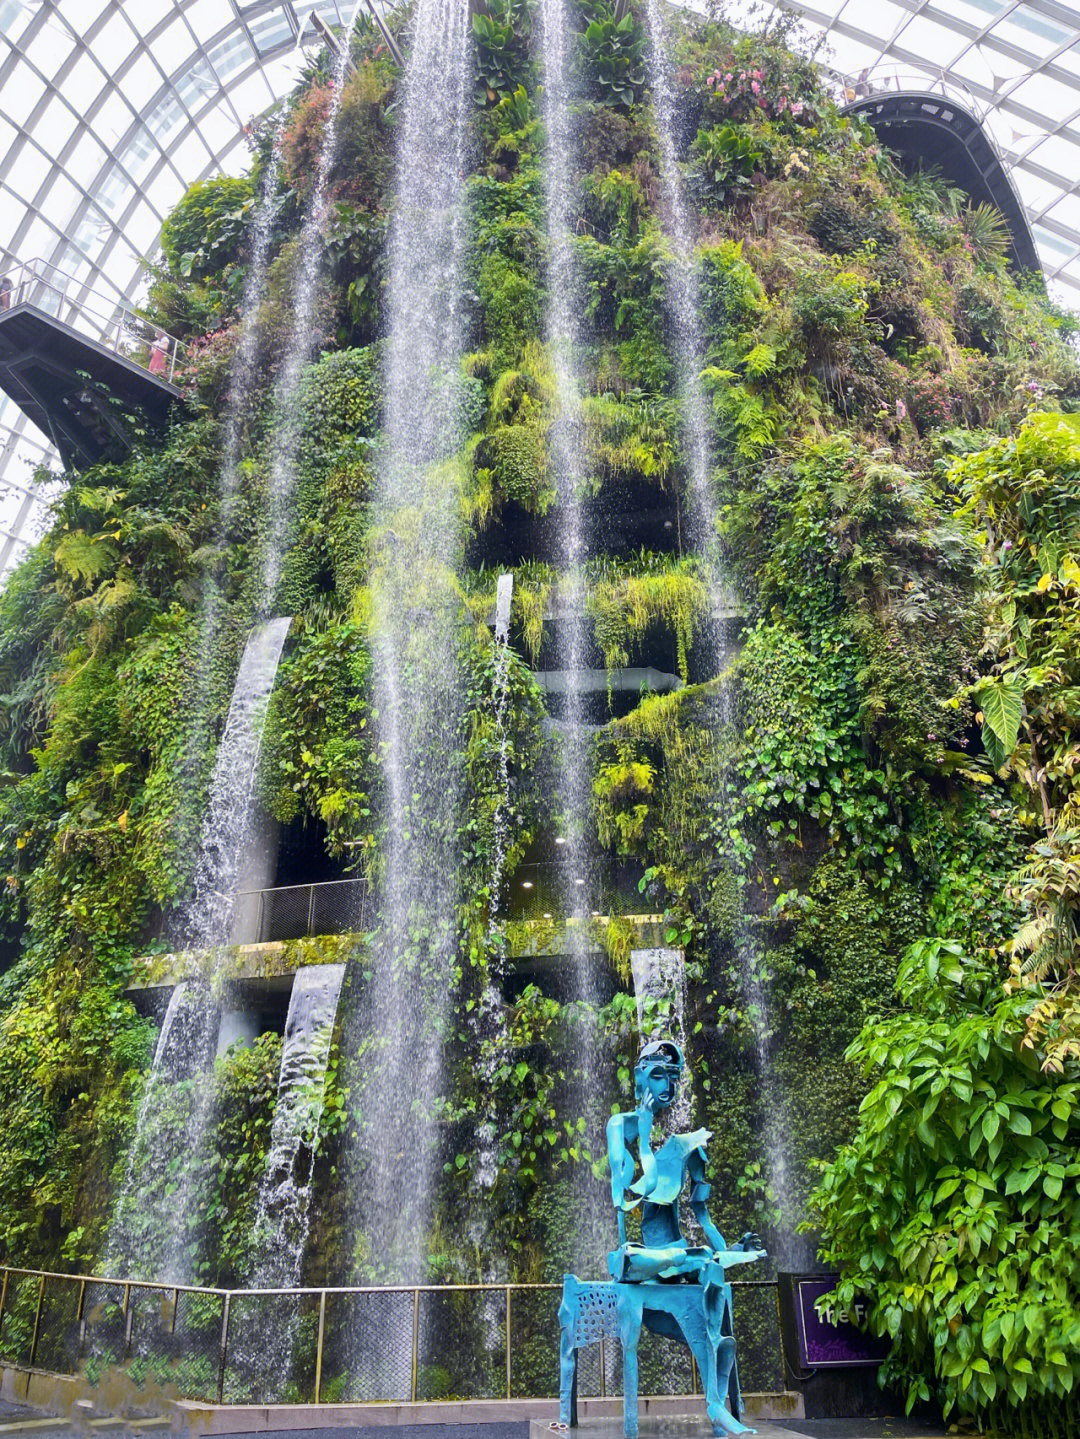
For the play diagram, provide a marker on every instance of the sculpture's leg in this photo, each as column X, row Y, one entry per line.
column 720, row 1358
column 630, row 1310
column 567, row 1378
column 568, row 1317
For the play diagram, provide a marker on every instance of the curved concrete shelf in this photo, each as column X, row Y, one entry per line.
column 926, row 130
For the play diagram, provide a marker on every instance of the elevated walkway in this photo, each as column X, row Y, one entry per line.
column 928, row 123
column 76, row 363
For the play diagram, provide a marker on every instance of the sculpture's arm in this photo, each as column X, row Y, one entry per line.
column 699, row 1206
column 649, row 1172
column 748, row 1248
column 621, row 1162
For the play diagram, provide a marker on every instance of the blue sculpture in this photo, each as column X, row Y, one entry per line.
column 672, row 1287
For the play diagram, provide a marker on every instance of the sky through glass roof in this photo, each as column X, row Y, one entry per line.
column 109, row 110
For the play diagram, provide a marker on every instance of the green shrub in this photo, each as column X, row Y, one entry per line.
column 205, row 231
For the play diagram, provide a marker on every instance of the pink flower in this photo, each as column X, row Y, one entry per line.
column 755, row 87
column 797, row 107
column 728, row 77
column 719, row 89
column 1007, row 545
column 759, row 74
column 711, row 80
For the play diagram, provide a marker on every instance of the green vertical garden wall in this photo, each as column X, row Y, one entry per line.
column 898, row 484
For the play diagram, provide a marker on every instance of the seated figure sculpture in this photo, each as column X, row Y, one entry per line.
column 664, row 1282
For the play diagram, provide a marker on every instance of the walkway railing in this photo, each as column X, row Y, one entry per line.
column 909, row 79
column 895, row 79
column 551, row 890
column 337, row 906
column 394, row 1344
column 110, row 323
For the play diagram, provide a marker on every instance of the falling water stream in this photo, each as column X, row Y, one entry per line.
column 416, row 545
column 174, row 1112
column 242, row 389
column 263, row 1345
column 283, row 1212
column 683, row 303
column 489, row 1026
column 228, row 827
column 566, row 452
column 300, row 344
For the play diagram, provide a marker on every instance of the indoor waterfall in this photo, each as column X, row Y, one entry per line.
column 283, row 1210
column 283, row 1214
column 227, row 832
column 302, row 334
column 685, row 325
column 175, row 1108
column 567, row 458
column 489, row 1020
column 243, row 374
column 416, row 544
column 228, row 825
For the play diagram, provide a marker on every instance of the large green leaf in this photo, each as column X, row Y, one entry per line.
column 1002, row 703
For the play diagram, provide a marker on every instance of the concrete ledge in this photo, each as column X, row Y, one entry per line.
column 69, row 1397
column 195, row 1420
column 73, row 1397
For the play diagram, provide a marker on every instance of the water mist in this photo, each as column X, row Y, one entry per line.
column 566, row 455
column 416, row 543
column 684, row 309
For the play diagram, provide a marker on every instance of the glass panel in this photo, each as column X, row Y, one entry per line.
column 82, row 84
column 231, row 55
column 114, row 42
column 20, row 97
column 271, row 30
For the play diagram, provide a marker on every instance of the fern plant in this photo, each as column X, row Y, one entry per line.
column 987, row 232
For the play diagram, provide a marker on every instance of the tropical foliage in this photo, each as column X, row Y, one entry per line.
column 846, row 787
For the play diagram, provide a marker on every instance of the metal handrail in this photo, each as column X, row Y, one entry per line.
column 910, row 79
column 906, row 79
column 30, row 280
column 357, row 883
column 319, row 1294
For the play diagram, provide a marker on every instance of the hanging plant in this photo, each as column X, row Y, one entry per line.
column 612, row 59
column 501, row 35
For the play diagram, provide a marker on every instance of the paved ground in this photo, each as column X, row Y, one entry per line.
column 16, row 1420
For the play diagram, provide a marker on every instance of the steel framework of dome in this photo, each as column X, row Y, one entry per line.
column 109, row 109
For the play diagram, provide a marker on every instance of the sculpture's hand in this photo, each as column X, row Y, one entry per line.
column 751, row 1241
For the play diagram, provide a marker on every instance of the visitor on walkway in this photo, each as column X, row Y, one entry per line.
column 5, row 293
column 158, row 352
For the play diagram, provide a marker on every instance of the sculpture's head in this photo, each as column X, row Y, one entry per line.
column 658, row 1072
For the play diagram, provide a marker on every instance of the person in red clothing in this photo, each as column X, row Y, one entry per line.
column 158, row 353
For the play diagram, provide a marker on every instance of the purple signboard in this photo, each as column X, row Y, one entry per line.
column 832, row 1339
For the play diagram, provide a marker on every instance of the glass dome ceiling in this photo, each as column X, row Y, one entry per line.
column 109, row 109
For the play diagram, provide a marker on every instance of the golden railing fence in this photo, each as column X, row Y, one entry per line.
column 418, row 1343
